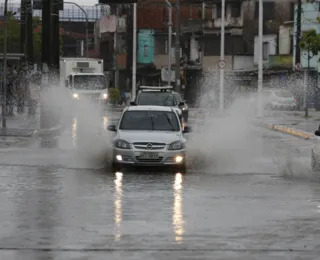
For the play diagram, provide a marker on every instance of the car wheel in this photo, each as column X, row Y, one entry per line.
column 116, row 167
column 314, row 162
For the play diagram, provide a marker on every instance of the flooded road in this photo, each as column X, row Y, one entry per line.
column 55, row 205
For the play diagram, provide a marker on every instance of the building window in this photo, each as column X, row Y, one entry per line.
column 265, row 51
column 145, row 51
column 235, row 9
column 268, row 10
column 218, row 11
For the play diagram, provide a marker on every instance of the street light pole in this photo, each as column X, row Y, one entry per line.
column 260, row 61
column 177, row 47
column 169, row 41
column 4, row 82
column 223, row 9
column 134, row 52
column 86, row 17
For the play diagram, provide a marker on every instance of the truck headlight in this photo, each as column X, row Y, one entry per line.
column 75, row 96
column 122, row 144
column 177, row 145
column 105, row 95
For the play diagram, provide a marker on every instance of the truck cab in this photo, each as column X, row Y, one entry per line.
column 84, row 78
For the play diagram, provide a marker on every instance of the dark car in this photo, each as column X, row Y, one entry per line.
column 162, row 96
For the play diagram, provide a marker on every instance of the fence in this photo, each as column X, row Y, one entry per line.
column 70, row 12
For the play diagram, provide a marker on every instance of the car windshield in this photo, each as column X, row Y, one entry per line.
column 89, row 82
column 157, row 99
column 149, row 121
column 284, row 94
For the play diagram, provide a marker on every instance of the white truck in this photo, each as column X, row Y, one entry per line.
column 84, row 78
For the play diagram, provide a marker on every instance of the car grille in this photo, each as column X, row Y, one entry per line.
column 92, row 96
column 144, row 146
column 149, row 160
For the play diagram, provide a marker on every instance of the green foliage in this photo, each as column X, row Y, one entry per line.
column 14, row 37
column 114, row 95
column 310, row 42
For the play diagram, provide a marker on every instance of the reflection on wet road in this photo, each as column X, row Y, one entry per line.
column 59, row 212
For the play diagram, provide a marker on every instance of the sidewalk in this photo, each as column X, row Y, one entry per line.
column 294, row 123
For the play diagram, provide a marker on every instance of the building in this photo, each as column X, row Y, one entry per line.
column 200, row 25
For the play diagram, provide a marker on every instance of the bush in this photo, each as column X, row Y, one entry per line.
column 114, row 95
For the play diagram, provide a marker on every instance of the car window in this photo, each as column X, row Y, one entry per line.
column 157, row 99
column 284, row 93
column 149, row 121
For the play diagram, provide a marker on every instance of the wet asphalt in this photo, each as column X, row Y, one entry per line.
column 64, row 203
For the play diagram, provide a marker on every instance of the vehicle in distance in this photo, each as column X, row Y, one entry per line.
column 162, row 96
column 281, row 99
column 149, row 136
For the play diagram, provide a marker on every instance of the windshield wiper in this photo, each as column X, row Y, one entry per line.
column 169, row 121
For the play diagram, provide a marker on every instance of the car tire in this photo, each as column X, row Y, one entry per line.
column 116, row 167
column 314, row 162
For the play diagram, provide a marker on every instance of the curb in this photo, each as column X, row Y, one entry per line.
column 288, row 130
column 51, row 132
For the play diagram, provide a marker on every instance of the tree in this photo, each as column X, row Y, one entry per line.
column 14, row 36
column 310, row 44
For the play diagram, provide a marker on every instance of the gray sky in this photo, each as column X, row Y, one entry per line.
column 80, row 2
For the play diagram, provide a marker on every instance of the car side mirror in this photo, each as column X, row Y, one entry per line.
column 317, row 133
column 112, row 128
column 181, row 104
column 132, row 103
column 187, row 129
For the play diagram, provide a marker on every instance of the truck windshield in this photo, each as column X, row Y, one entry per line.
column 89, row 82
column 149, row 121
column 157, row 99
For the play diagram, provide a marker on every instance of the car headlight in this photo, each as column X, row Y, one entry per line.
column 105, row 95
column 122, row 144
column 75, row 95
column 177, row 145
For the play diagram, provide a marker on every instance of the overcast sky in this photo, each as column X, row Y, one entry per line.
column 80, row 2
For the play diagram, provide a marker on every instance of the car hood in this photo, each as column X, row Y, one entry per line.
column 149, row 136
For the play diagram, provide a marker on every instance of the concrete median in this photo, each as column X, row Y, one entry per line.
column 287, row 130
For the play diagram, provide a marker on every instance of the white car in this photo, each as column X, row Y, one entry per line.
column 315, row 152
column 282, row 99
column 149, row 136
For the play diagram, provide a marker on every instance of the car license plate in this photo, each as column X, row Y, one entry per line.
column 149, row 156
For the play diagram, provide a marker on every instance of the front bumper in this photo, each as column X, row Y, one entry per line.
column 131, row 157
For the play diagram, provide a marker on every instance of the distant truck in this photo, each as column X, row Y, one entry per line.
column 84, row 78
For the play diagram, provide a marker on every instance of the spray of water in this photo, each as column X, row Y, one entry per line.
column 85, row 139
column 231, row 142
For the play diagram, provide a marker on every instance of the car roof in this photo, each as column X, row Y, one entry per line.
column 151, row 108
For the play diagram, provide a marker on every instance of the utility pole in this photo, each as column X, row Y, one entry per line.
column 169, row 40
column 223, row 14
column 134, row 53
column 298, row 36
column 22, row 25
column 115, row 41
column 5, row 70
column 177, row 49
column 260, row 61
column 29, row 32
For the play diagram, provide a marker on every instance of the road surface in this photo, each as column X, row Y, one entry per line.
column 235, row 201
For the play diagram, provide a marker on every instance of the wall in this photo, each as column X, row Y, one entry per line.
column 284, row 40
column 243, row 62
column 211, row 63
column 272, row 47
column 310, row 12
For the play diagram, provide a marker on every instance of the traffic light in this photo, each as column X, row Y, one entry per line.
column 117, row 1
